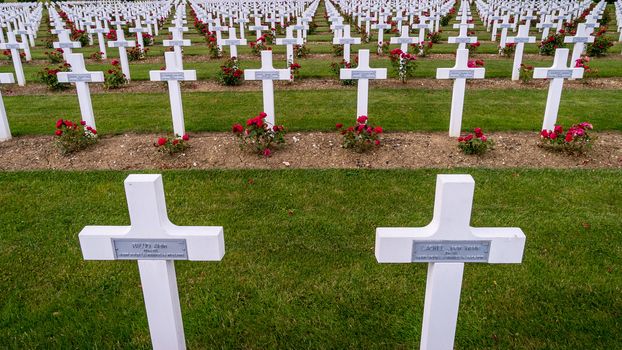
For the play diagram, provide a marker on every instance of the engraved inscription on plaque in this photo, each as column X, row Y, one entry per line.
column 77, row 77
column 521, row 40
column 12, row 46
column 66, row 45
column 463, row 40
column 179, row 43
column 579, row 40
column 289, row 41
column 450, row 251
column 149, row 249
column 347, row 41
column 464, row 73
column 120, row 44
column 404, row 40
column 364, row 74
column 267, row 75
column 171, row 76
column 559, row 73
column 230, row 42
column 98, row 30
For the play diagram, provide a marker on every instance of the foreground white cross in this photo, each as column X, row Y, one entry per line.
column 520, row 39
column 267, row 73
column 557, row 73
column 5, row 131
column 446, row 244
column 14, row 46
column 363, row 73
column 460, row 73
column 155, row 242
column 173, row 75
column 122, row 45
column 81, row 77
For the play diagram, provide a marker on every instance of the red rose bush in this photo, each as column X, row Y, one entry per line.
column 361, row 137
column 72, row 137
column 258, row 136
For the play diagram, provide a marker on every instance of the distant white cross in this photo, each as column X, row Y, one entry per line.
column 5, row 131
column 346, row 40
column 233, row 42
column 267, row 74
column 404, row 40
column 289, row 41
column 363, row 73
column 14, row 46
column 258, row 27
column 582, row 36
column 460, row 73
column 446, row 244
column 100, row 31
column 139, row 30
column 177, row 43
column 557, row 73
column 173, row 75
column 155, row 243
column 122, row 45
column 381, row 28
column 65, row 43
column 81, row 77
column 520, row 39
column 463, row 38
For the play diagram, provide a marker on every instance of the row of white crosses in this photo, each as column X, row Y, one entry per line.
column 446, row 244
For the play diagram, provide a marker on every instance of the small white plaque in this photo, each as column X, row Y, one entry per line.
column 177, row 43
column 149, row 249
column 267, row 75
column 166, row 76
column 289, row 42
column 120, row 44
column 66, row 45
column 347, row 41
column 463, row 40
column 461, row 73
column 364, row 74
column 579, row 39
column 405, row 40
column 519, row 40
column 79, row 77
column 450, row 251
column 232, row 42
column 559, row 73
column 12, row 46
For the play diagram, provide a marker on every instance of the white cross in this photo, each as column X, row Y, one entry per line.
column 583, row 36
column 122, row 45
column 100, row 31
column 23, row 32
column 289, row 41
column 258, row 27
column 557, row 73
column 422, row 27
column 139, row 30
column 404, row 40
column 381, row 28
column 241, row 20
column 233, row 42
column 520, row 40
column 65, row 43
column 504, row 30
column 346, row 40
column 463, row 38
column 363, row 73
column 446, row 244
column 173, row 75
column 528, row 17
column 177, row 42
column 81, row 77
column 13, row 45
column 545, row 25
column 460, row 73
column 155, row 242
column 5, row 131
column 495, row 26
column 267, row 73
column 219, row 29
column 301, row 29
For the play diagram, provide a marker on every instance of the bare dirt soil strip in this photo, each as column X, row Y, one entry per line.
column 305, row 150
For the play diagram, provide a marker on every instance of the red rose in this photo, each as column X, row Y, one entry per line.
column 185, row 137
column 478, row 131
column 377, row 142
column 378, row 130
column 94, row 131
column 483, row 138
column 275, row 128
column 338, row 125
column 263, row 115
column 460, row 139
column 237, row 128
column 58, row 132
column 558, row 129
column 469, row 137
column 82, row 122
column 552, row 136
column 115, row 62
column 161, row 141
column 59, row 123
column 362, row 119
column 569, row 137
column 175, row 142
column 267, row 152
column 544, row 134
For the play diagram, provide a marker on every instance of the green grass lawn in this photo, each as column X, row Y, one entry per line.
column 299, row 269
column 299, row 110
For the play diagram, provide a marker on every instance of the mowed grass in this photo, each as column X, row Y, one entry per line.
column 299, row 270
column 301, row 110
